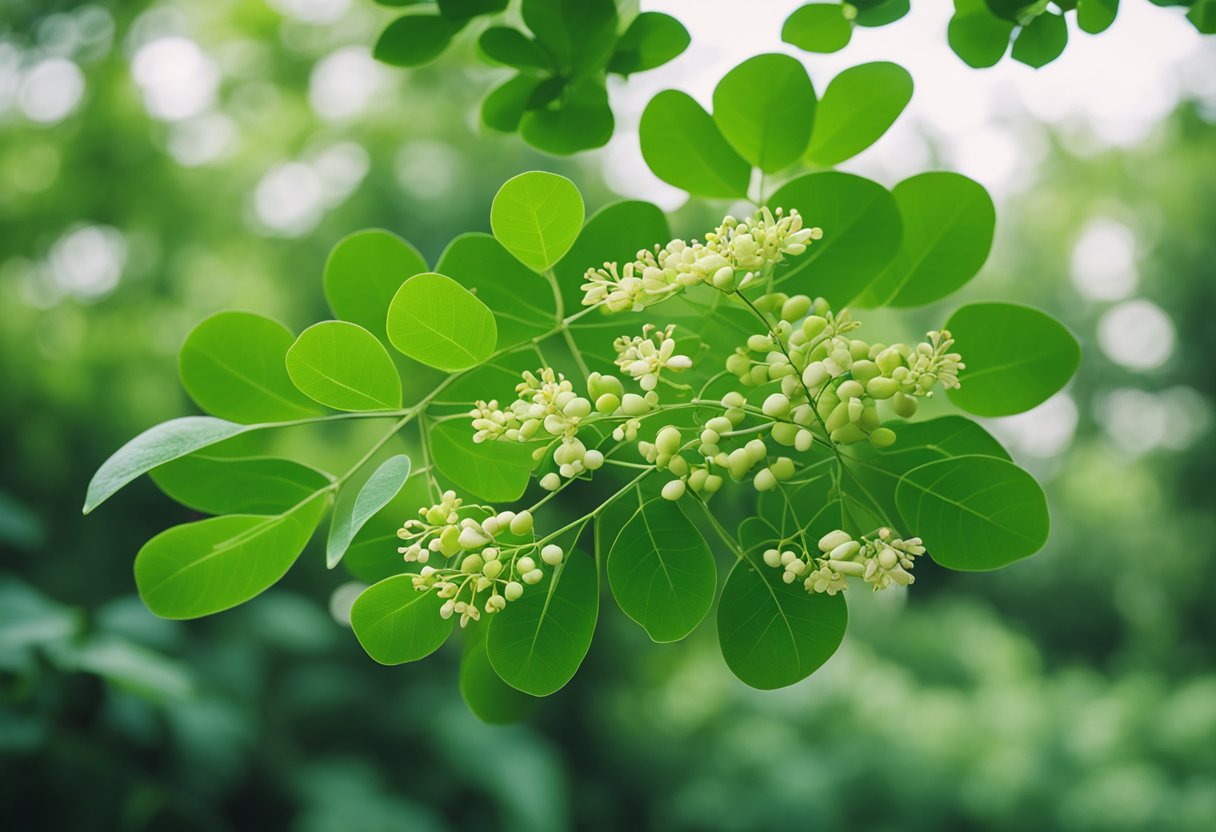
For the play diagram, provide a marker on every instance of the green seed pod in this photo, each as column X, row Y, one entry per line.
column 757, row 375
column 759, row 343
column 815, row 375
column 859, row 349
column 833, row 539
column 864, row 370
column 696, row 480
column 785, row 433
column 795, row 308
column 712, row 483
column 678, row 465
column 764, row 480
column 813, row 325
column 903, row 405
column 673, row 490
column 756, row 450
column 804, row 440
column 821, row 306
column 782, row 468
column 521, row 523
column 736, row 416
column 882, row 437
column 776, row 406
column 733, row 399
column 847, row 435
column 838, row 418
column 888, row 360
column 738, row 364
column 719, row 425
column 634, row 405
column 850, row 390
column 668, row 440
column 608, row 403
column 739, row 463
column 882, row 387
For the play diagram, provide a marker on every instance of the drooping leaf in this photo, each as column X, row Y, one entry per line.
column 521, row 300
column 232, row 365
column 862, row 231
column 683, row 146
column 381, row 487
column 435, row 320
column 538, row 642
column 512, row 47
column 579, row 33
column 342, row 365
column 489, row 698
column 497, row 472
column 415, row 39
column 1041, row 42
column 818, row 27
column 1096, row 16
column 1016, row 357
column 859, row 105
column 201, row 568
column 661, row 571
column 537, row 216
column 978, row 37
column 652, row 39
column 396, row 623
column 364, row 270
column 774, row 634
column 216, row 484
column 948, row 223
column 615, row 234
column 156, row 446
column 581, row 120
column 765, row 108
column 974, row 512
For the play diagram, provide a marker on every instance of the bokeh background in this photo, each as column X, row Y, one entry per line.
column 163, row 160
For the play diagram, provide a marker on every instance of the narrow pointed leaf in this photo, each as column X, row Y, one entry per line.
column 381, row 487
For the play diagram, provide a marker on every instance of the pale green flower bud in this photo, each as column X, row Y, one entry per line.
column 733, row 399
column 668, row 440
column 864, row 370
column 739, row 463
column 784, row 433
column 776, row 406
column 712, row 483
column 856, row 408
column 813, row 325
column 804, row 440
column 795, row 308
column 449, row 541
column 738, row 364
column 525, row 564
column 724, row 279
column 859, row 349
column 757, row 375
column 736, row 416
column 634, row 405
column 850, row 390
column 577, row 408
column 678, row 465
column 593, row 460
column 513, row 590
column 521, row 523
column 472, row 564
column 869, row 420
column 772, row 558
column 445, row 612
column 756, row 450
column 673, row 490
column 889, row 360
column 847, row 435
column 552, row 554
column 882, row 437
column 495, row 603
column 533, row 577
column 551, row 481
column 815, row 374
column 782, row 468
column 719, row 425
column 833, row 539
column 882, row 387
column 710, row 437
column 903, row 405
column 764, row 480
column 759, row 343
column 492, row 569
column 838, row 418
column 607, row 403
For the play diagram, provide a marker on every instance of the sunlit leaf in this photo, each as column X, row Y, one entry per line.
column 818, row 27
column 1096, row 16
column 497, row 472
column 343, row 366
column 683, row 146
column 615, row 234
column 216, row 484
column 537, row 216
column 380, row 488
column 364, row 270
column 858, row 106
column 435, row 320
column 652, row 39
column 396, row 623
column 765, row 108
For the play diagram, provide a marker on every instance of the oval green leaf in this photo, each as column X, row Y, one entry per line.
column 773, row 634
column 652, row 39
column 156, row 446
column 859, row 105
column 977, row 36
column 232, row 365
column 1016, row 357
column 364, row 270
column 974, row 513
column 683, row 146
column 538, row 642
column 765, row 108
column 396, row 623
column 415, row 39
column 661, row 571
column 862, row 231
column 379, row 489
column 579, row 33
column 818, row 27
column 238, row 485
column 435, row 320
column 490, row 699
column 537, row 216
column 581, row 120
column 1096, row 16
column 513, row 48
column 206, row 567
column 342, row 365
column 948, row 224
column 497, row 472
column 504, row 107
column 1041, row 42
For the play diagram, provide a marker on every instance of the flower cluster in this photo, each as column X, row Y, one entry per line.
column 732, row 255
column 882, row 561
column 644, row 357
column 826, row 375
column 472, row 564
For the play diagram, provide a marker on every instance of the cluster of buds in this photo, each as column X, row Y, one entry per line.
column 826, row 375
column 474, row 565
column 732, row 255
column 881, row 561
column 645, row 356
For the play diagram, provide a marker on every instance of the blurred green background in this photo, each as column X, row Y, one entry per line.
column 163, row 160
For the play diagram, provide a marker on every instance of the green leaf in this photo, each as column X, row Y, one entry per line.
column 818, row 27
column 520, row 299
column 1202, row 16
column 156, row 446
column 503, row 108
column 538, row 642
column 343, row 366
column 859, row 105
column 497, row 472
column 861, row 234
column 948, row 224
column 465, row 9
column 237, row 485
column 1096, row 16
column 132, row 667
column 489, row 698
column 202, row 568
column 232, row 365
column 396, row 623
column 1016, row 357
column 381, row 487
column 974, row 512
column 537, row 216
column 615, row 233
column 662, row 572
column 765, row 108
column 580, row 34
column 881, row 13
column 435, row 320
column 580, row 121
column 682, row 146
column 372, row 555
column 652, row 39
column 512, row 47
column 364, row 271
column 415, row 39
column 977, row 36
column 1042, row 41
column 774, row 634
